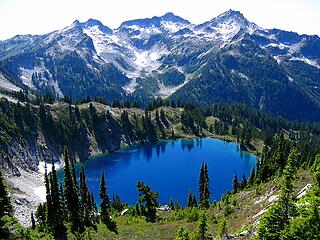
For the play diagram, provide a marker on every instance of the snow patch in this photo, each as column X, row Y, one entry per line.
column 290, row 78
column 27, row 194
column 41, row 167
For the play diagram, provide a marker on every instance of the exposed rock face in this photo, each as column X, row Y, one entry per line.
column 23, row 160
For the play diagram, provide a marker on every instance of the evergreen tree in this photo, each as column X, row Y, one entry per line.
column 71, row 196
column 116, row 202
column 57, row 211
column 235, row 183
column 105, row 201
column 244, row 181
column 278, row 216
column 171, row 204
column 176, row 205
column 48, row 204
column 41, row 217
column 84, row 196
column 252, row 176
column 150, row 199
column 279, row 158
column 194, row 201
column 105, row 206
column 190, row 199
column 204, row 192
column 33, row 222
column 202, row 229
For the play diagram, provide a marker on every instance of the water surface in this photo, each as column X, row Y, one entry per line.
column 170, row 168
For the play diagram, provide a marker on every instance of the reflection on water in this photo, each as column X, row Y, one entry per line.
column 169, row 167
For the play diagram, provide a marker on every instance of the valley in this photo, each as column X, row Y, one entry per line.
column 160, row 129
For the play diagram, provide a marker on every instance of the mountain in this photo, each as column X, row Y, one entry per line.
column 225, row 60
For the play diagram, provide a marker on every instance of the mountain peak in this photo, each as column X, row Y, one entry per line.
column 229, row 18
column 155, row 21
column 93, row 22
column 230, row 13
column 171, row 17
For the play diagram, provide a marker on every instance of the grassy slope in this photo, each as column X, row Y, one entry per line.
column 248, row 204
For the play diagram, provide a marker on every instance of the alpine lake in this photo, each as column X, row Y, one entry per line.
column 169, row 167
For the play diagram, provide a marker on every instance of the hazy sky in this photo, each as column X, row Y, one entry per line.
column 43, row 16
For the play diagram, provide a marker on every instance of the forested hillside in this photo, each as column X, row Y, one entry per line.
column 50, row 129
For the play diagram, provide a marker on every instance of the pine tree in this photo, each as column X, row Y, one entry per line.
column 176, row 205
column 286, row 195
column 150, row 199
column 194, row 201
column 33, row 222
column 235, row 183
column 71, row 196
column 41, row 217
column 84, row 194
column 48, row 204
column 171, row 204
column 202, row 229
column 204, row 192
column 116, row 202
column 280, row 155
column 278, row 216
column 62, row 202
column 252, row 176
column 105, row 206
column 244, row 181
column 57, row 211
column 190, row 199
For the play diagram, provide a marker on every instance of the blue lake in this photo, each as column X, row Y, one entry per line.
column 170, row 168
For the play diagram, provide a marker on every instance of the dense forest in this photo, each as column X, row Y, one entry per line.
column 71, row 210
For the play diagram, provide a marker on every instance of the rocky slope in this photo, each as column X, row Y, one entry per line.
column 38, row 134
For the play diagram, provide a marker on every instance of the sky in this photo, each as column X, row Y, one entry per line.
column 43, row 16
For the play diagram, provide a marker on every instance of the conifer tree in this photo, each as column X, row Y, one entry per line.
column 171, row 204
column 57, row 211
column 33, row 222
column 71, row 196
column 176, row 205
column 84, row 196
column 116, row 202
column 204, row 192
column 235, row 183
column 48, row 204
column 202, row 229
column 252, row 176
column 105, row 205
column 150, row 199
column 41, row 217
column 278, row 216
column 194, row 201
column 190, row 199
column 244, row 181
